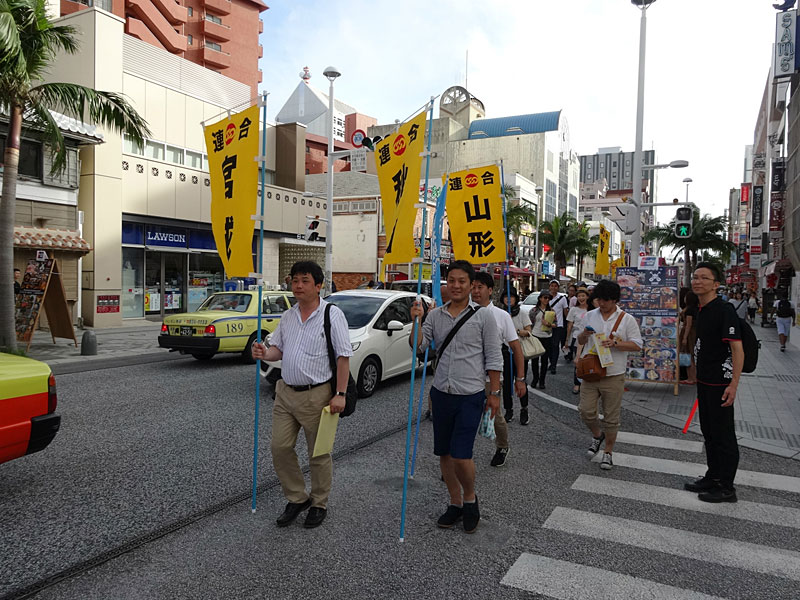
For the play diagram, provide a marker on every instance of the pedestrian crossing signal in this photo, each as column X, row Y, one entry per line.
column 683, row 222
column 312, row 230
column 369, row 143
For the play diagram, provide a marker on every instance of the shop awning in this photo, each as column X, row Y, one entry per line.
column 39, row 238
column 516, row 271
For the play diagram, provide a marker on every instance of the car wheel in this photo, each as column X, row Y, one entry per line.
column 203, row 355
column 247, row 353
column 369, row 376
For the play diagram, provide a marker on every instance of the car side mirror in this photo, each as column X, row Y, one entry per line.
column 393, row 326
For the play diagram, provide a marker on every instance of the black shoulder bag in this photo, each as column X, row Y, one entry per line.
column 352, row 393
column 451, row 335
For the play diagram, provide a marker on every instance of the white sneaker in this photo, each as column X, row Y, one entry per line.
column 606, row 463
column 594, row 447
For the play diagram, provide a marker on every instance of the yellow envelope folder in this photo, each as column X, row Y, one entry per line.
column 326, row 433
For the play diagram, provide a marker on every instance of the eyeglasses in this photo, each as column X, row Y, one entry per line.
column 700, row 278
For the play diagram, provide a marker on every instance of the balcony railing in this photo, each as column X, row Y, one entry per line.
column 216, row 58
column 222, row 7
column 216, row 31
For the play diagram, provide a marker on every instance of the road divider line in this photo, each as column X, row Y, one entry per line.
column 687, row 544
column 564, row 580
column 769, row 481
column 748, row 511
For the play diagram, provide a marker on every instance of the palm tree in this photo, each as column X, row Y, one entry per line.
column 563, row 236
column 586, row 246
column 708, row 235
column 29, row 42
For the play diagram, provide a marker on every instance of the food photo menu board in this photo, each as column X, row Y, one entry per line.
column 651, row 296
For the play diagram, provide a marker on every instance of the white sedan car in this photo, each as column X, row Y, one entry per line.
column 380, row 325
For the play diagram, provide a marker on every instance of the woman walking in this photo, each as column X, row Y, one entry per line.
column 544, row 332
column 575, row 320
column 522, row 324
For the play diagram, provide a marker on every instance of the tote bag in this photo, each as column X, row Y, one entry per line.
column 531, row 346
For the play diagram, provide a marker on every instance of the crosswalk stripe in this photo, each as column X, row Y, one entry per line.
column 769, row 481
column 638, row 439
column 570, row 581
column 731, row 553
column 748, row 511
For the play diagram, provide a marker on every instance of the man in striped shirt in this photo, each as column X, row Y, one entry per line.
column 304, row 390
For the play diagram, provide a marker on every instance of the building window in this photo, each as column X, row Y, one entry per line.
column 175, row 155
column 627, row 173
column 154, row 150
column 131, row 147
column 189, row 38
column 214, row 46
column 614, row 165
column 213, row 18
column 191, row 11
column 602, row 165
column 627, row 163
column 194, row 160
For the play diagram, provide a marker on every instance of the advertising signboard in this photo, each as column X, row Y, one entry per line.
column 784, row 50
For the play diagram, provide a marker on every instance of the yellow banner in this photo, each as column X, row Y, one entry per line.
column 601, row 262
column 619, row 262
column 398, row 161
column 232, row 146
column 475, row 214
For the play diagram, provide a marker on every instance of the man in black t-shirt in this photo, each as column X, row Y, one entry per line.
column 719, row 356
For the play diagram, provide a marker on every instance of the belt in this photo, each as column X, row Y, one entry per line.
column 306, row 387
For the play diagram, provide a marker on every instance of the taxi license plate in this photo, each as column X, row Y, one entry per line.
column 187, row 330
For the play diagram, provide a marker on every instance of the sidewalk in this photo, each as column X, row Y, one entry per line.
column 767, row 408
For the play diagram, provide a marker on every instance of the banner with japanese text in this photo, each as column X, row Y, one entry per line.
column 602, row 265
column 232, row 146
column 475, row 214
column 398, row 160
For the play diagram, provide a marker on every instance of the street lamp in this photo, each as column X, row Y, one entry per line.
column 331, row 73
column 687, row 181
column 538, row 190
column 636, row 238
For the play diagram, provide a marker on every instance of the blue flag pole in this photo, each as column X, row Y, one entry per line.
column 436, row 284
column 260, row 293
column 416, row 324
column 508, row 275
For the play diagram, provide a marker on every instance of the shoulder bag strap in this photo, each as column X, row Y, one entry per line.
column 619, row 320
column 454, row 330
column 331, row 354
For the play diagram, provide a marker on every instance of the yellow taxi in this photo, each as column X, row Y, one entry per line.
column 28, row 401
column 225, row 322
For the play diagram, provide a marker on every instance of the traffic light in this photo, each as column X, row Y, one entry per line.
column 683, row 222
column 312, row 229
column 369, row 143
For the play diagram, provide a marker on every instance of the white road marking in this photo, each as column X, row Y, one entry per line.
column 769, row 481
column 570, row 581
column 687, row 544
column 677, row 498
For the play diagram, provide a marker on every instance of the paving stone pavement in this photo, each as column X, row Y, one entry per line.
column 767, row 405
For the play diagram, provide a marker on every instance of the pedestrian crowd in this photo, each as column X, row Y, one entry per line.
column 480, row 362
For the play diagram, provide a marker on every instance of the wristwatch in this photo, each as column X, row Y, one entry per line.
column 495, row 393
column 519, row 378
column 342, row 394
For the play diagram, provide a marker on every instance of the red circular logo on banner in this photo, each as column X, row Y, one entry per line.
column 471, row 180
column 399, row 145
column 230, row 133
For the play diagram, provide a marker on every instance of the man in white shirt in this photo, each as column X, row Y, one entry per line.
column 482, row 288
column 622, row 336
column 560, row 305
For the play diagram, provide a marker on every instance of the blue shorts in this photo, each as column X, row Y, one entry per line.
column 455, row 422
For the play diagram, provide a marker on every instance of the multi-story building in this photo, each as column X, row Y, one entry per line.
column 208, row 33
column 147, row 208
column 615, row 167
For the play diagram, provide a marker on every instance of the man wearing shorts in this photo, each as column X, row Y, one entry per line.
column 784, row 317
column 458, row 394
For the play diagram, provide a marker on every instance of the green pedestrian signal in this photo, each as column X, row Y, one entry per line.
column 683, row 222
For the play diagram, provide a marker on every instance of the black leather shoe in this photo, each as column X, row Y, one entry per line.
column 292, row 510
column 699, row 485
column 315, row 517
column 718, row 494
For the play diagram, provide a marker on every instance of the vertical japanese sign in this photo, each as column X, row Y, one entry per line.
column 232, row 146
column 651, row 297
column 602, row 265
column 398, row 161
column 745, row 196
column 757, row 207
column 475, row 214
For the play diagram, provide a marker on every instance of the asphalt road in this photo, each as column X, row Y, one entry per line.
column 148, row 484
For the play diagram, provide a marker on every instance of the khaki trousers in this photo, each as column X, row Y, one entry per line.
column 609, row 390
column 500, row 425
column 291, row 411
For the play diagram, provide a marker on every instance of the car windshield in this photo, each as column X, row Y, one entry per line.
column 231, row 302
column 359, row 310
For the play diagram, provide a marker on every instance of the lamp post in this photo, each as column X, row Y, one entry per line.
column 687, row 277
column 538, row 190
column 637, row 210
column 687, row 181
column 331, row 73
column 636, row 237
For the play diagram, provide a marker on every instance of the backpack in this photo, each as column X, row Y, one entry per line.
column 750, row 344
column 784, row 309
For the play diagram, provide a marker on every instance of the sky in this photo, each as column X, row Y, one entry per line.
column 706, row 69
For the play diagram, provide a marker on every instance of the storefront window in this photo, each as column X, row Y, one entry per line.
column 132, row 283
column 205, row 278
